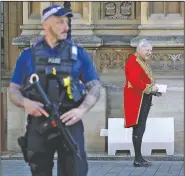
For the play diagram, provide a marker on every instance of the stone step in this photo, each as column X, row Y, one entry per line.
column 104, row 156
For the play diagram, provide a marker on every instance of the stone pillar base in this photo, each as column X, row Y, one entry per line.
column 16, row 122
column 94, row 121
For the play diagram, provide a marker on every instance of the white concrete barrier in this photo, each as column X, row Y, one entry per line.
column 159, row 135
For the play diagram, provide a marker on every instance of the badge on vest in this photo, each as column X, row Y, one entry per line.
column 53, row 60
column 74, row 53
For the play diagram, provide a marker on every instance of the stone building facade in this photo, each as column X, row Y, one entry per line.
column 109, row 31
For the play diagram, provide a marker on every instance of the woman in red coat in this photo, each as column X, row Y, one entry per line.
column 138, row 91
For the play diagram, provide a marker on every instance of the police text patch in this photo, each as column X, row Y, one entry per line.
column 54, row 60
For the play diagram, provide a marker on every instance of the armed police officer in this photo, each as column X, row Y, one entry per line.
column 59, row 55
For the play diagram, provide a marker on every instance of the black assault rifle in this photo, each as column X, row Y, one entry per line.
column 54, row 120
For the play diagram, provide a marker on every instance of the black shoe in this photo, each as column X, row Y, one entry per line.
column 143, row 163
column 146, row 162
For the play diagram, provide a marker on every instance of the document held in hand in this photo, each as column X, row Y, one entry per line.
column 162, row 88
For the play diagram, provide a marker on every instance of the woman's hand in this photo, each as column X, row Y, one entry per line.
column 155, row 89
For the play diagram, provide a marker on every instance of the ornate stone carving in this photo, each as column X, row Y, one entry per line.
column 112, row 59
column 157, row 61
column 175, row 62
column 117, row 10
column 110, row 9
column 126, row 8
column 167, row 62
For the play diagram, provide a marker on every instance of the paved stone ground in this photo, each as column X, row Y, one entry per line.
column 105, row 168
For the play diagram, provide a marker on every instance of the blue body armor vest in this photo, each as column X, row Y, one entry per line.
column 60, row 64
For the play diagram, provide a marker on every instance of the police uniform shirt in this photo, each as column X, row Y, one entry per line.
column 84, row 65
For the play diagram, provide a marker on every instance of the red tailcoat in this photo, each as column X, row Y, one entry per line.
column 139, row 80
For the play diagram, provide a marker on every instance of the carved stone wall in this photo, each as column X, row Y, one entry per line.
column 163, row 13
column 113, row 58
column 118, row 10
column 160, row 61
column 34, row 9
column 165, row 8
column 170, row 62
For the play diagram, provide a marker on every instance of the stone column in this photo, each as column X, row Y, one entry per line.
column 16, row 121
column 28, row 17
column 81, row 22
column 43, row 5
column 144, row 7
column 94, row 121
column 83, row 27
column 81, row 11
column 87, row 12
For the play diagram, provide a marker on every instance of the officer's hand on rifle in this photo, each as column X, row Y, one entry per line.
column 34, row 108
column 73, row 116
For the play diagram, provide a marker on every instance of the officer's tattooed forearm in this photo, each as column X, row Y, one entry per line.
column 16, row 97
column 93, row 88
